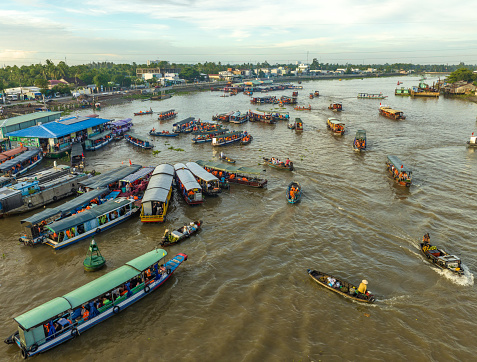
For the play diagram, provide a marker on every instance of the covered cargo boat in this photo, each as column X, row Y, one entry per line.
column 155, row 201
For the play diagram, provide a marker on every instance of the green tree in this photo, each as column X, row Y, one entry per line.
column 41, row 83
column 461, row 74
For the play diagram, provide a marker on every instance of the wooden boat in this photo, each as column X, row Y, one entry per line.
column 441, row 259
column 280, row 116
column 278, row 164
column 94, row 260
column 61, row 318
column 164, row 116
column 156, row 199
column 388, row 112
column 139, row 141
column 237, row 175
column 77, row 156
column 266, row 117
column 246, row 139
column 10, row 154
column 336, row 107
column 188, row 185
column 341, row 287
column 180, row 234
column 336, row 126
column 359, row 143
column 399, row 171
column 371, row 96
column 291, row 125
column 184, row 126
column 298, row 124
column 298, row 108
column 207, row 136
column 226, row 159
column 238, row 118
column 228, row 138
column 153, row 132
column 120, row 127
column 210, row 183
column 141, row 113
column 293, row 192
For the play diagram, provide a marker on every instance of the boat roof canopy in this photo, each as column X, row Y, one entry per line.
column 137, row 136
column 165, row 168
column 87, row 215
column 199, row 172
column 360, row 133
column 236, row 133
column 158, row 187
column 228, row 168
column 89, row 291
column 66, row 207
column 76, row 150
column 398, row 163
column 100, row 135
column 109, row 177
column 137, row 175
column 10, row 153
column 188, row 180
column 170, row 110
column 184, row 121
column 390, row 110
column 7, row 165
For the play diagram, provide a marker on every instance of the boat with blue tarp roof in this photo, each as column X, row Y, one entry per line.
column 64, row 318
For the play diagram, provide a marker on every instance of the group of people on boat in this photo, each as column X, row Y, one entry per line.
column 302, row 108
column 293, row 192
column 399, row 175
column 163, row 132
column 166, row 115
column 246, row 138
column 360, row 143
column 277, row 162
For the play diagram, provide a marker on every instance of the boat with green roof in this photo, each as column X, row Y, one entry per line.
column 67, row 317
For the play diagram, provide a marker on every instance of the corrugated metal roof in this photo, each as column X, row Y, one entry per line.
column 187, row 179
column 43, row 313
column 199, row 172
column 7, row 165
column 57, row 129
column 27, row 117
column 164, row 168
column 109, row 177
column 138, row 174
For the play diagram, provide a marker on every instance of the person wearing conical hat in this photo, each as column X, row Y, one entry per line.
column 363, row 286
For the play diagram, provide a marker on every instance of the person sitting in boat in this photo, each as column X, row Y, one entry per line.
column 363, row 286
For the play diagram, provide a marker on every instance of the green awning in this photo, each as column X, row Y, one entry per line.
column 99, row 135
column 43, row 313
column 142, row 262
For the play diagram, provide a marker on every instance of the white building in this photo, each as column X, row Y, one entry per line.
column 303, row 68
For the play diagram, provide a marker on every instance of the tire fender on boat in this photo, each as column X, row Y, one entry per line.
column 74, row 332
column 116, row 309
column 98, row 230
column 168, row 271
column 147, row 289
column 24, row 353
column 30, row 205
column 34, row 348
column 55, row 198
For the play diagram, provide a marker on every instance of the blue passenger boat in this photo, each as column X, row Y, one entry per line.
column 227, row 138
column 65, row 232
column 98, row 141
column 22, row 163
column 64, row 318
column 137, row 140
column 184, row 126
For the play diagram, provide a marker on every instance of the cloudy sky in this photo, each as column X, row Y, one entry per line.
column 191, row 31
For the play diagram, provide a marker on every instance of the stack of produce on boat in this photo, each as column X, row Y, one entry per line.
column 401, row 173
column 66, row 232
column 388, row 112
column 293, row 192
column 343, row 288
column 184, row 126
column 138, row 140
column 164, row 116
column 439, row 257
column 184, row 232
column 371, row 96
column 266, row 117
column 336, row 107
column 359, row 143
column 34, row 226
column 207, row 136
column 311, row 96
column 21, row 162
column 208, row 181
column 281, row 165
column 188, row 185
column 39, row 189
column 336, row 126
column 153, row 132
column 298, row 124
column 67, row 317
column 227, row 173
column 228, row 138
column 303, row 108
column 94, row 260
column 140, row 113
column 155, row 201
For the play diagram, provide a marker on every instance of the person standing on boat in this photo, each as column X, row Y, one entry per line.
column 426, row 239
column 363, row 286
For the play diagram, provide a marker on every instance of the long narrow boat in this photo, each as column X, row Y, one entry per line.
column 247, row 139
column 227, row 138
column 153, row 132
column 164, row 116
column 77, row 156
column 275, row 163
column 207, row 136
column 371, row 96
column 66, row 232
column 441, row 258
column 35, row 230
column 238, row 118
column 230, row 174
column 293, row 192
column 156, row 199
column 359, row 143
column 208, row 182
column 188, row 185
column 61, row 318
column 141, row 113
column 138, row 140
column 184, row 126
column 391, row 113
column 21, row 163
column 336, row 126
column 341, row 287
column 226, row 158
column 400, row 173
column 97, row 141
column 10, row 154
column 184, row 232
column 303, row 108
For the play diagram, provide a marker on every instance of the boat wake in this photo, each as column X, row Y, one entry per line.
column 464, row 280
